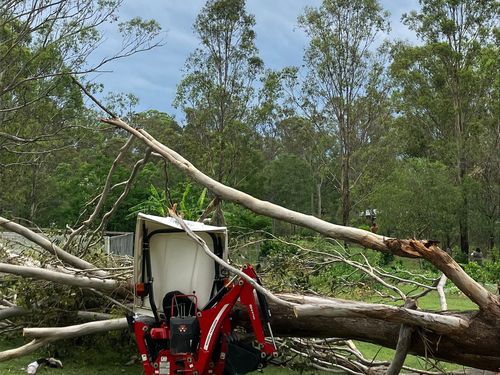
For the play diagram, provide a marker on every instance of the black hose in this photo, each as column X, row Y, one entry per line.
column 147, row 257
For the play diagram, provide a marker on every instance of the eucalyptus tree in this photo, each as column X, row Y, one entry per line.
column 217, row 92
column 443, row 94
column 344, row 72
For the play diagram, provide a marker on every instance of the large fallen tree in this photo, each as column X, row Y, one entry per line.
column 467, row 338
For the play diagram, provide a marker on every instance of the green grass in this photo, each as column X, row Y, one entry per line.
column 78, row 360
column 377, row 353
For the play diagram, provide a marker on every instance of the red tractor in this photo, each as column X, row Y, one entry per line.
column 192, row 331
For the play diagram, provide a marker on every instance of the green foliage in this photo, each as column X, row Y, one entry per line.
column 156, row 204
column 385, row 259
column 191, row 210
column 410, row 203
column 489, row 272
column 287, row 180
column 240, row 219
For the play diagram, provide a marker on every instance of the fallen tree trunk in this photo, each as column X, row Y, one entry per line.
column 335, row 308
column 477, row 346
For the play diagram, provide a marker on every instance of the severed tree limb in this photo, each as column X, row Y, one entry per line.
column 406, row 248
column 104, row 285
column 44, row 336
column 404, row 342
column 90, row 328
column 51, row 247
column 329, row 307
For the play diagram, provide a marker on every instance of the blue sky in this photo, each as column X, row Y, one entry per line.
column 152, row 76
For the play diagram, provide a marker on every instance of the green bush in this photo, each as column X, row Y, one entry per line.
column 488, row 273
column 240, row 219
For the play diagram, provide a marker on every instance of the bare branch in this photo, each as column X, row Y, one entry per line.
column 128, row 185
column 93, row 98
column 404, row 343
column 107, row 285
column 50, row 247
column 104, row 194
column 442, row 295
column 23, row 350
column 59, row 333
column 47, row 335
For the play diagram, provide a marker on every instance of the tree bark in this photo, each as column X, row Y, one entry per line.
column 403, row 345
column 313, row 307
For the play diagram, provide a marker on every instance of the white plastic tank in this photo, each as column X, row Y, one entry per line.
column 178, row 263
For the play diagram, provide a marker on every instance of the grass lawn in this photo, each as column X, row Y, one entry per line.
column 84, row 361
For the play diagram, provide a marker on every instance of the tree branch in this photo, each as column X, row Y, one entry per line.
column 51, row 247
column 404, row 342
column 58, row 333
column 106, row 285
column 104, row 193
